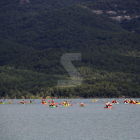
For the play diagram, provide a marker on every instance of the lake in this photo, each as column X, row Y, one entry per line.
column 39, row 122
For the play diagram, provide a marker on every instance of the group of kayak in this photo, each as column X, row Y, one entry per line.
column 10, row 102
column 23, row 102
column 95, row 100
column 44, row 101
column 66, row 103
column 109, row 105
column 114, row 102
column 131, row 101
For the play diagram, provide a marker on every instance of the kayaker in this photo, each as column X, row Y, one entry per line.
column 106, row 104
column 125, row 101
column 109, row 104
column 43, row 101
column 132, row 101
column 1, row 102
column 22, row 101
column 10, row 102
column 137, row 101
column 82, row 103
column 64, row 102
column 31, row 101
column 113, row 101
column 52, row 103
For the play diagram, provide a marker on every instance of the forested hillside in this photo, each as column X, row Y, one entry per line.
column 35, row 34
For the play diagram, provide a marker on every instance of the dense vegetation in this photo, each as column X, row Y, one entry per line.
column 34, row 36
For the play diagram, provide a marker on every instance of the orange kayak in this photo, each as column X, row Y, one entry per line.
column 109, row 107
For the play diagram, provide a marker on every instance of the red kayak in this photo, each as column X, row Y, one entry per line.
column 133, row 103
column 109, row 107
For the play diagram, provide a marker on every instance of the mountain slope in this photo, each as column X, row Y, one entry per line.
column 34, row 36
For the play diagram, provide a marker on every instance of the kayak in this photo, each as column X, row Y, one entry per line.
column 22, row 103
column 31, row 102
column 109, row 107
column 82, row 105
column 133, row 103
column 137, row 103
column 66, row 105
column 126, row 103
column 52, row 106
column 94, row 100
column 43, row 103
column 3, row 103
column 116, row 103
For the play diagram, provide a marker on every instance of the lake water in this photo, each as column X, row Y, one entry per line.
column 39, row 122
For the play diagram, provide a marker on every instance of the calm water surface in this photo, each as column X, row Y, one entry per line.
column 39, row 122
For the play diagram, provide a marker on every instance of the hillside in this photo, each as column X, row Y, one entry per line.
column 34, row 35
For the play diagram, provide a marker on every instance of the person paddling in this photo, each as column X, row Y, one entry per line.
column 52, row 103
column 82, row 104
column 125, row 101
column 22, row 102
column 64, row 102
column 43, row 101
column 109, row 104
column 31, row 101
column 10, row 102
column 115, row 101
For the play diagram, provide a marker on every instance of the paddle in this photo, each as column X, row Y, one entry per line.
column 104, row 100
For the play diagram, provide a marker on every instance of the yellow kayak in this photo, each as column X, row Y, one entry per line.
column 9, row 103
column 137, row 103
column 94, row 100
column 66, row 105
